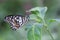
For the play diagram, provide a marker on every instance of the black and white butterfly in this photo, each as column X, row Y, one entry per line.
column 16, row 21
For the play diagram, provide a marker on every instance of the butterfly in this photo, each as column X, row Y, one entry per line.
column 16, row 21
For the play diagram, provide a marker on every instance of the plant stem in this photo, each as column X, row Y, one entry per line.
column 46, row 28
column 41, row 34
column 50, row 34
column 33, row 33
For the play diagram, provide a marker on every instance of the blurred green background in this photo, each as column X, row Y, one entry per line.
column 19, row 7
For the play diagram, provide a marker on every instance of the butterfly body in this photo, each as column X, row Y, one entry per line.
column 16, row 21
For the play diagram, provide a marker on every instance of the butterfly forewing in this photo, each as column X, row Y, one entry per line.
column 16, row 21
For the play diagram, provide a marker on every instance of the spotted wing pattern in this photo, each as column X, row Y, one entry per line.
column 16, row 21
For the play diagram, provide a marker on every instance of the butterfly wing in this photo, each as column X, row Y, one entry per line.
column 16, row 21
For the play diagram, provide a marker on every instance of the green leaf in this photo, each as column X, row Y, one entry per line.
column 34, row 33
column 53, row 20
column 39, row 11
column 35, row 18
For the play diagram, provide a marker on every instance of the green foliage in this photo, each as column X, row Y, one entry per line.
column 38, row 15
column 39, row 11
column 34, row 32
